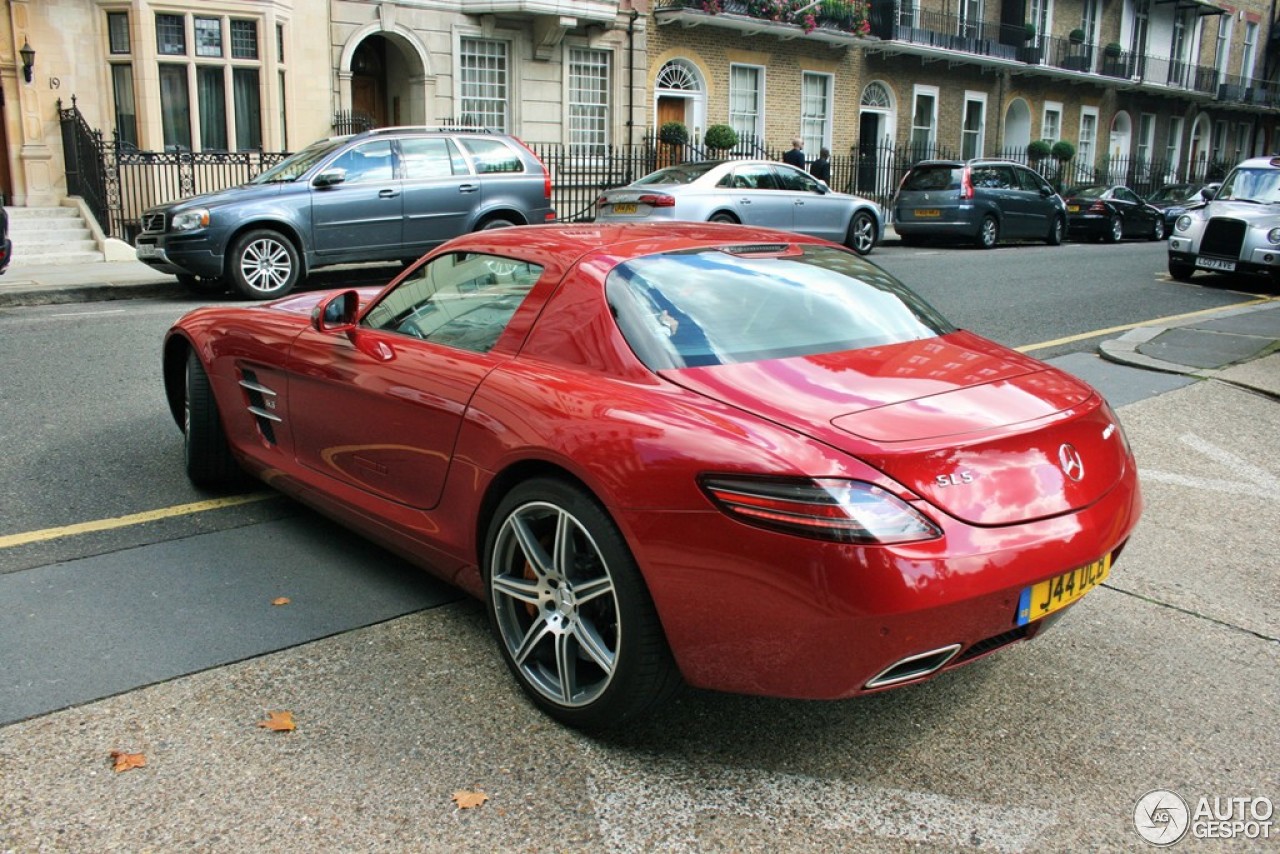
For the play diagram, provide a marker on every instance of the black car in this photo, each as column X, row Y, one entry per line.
column 6, row 245
column 1176, row 199
column 384, row 195
column 1110, row 212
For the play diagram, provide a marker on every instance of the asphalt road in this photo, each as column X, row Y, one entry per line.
column 1168, row 677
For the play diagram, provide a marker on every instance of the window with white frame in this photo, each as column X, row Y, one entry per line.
column 1173, row 147
column 1040, row 16
column 973, row 132
column 1090, row 13
column 1244, row 131
column 1223, row 55
column 1146, row 143
column 970, row 18
column 1250, row 55
column 746, row 95
column 1087, row 144
column 208, row 60
column 924, row 121
column 1051, row 124
column 909, row 13
column 815, row 111
column 1220, row 152
column 483, row 82
column 120, row 47
column 589, row 99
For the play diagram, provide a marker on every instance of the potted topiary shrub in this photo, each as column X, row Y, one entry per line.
column 720, row 138
column 1112, row 64
column 1038, row 150
column 1076, row 36
column 1030, row 50
column 673, row 133
column 1062, row 151
column 1113, row 50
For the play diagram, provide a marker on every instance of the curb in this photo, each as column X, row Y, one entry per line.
column 100, row 292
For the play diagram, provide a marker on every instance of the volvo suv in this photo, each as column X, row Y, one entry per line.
column 983, row 201
column 1237, row 230
column 383, row 195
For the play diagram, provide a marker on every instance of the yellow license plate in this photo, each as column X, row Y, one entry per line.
column 928, row 213
column 1073, row 209
column 624, row 209
column 1043, row 599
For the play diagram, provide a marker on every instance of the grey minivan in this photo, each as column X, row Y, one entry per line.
column 390, row 194
column 979, row 200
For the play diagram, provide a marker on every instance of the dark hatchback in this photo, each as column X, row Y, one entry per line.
column 384, row 195
column 982, row 201
column 1112, row 212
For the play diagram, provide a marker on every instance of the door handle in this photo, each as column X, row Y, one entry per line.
column 468, row 188
column 388, row 194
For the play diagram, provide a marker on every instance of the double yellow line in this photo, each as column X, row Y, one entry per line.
column 28, row 537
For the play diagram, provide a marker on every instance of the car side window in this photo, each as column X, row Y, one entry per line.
column 1127, row 196
column 461, row 299
column 430, row 158
column 992, row 178
column 757, row 177
column 795, row 180
column 368, row 163
column 492, row 155
column 1030, row 181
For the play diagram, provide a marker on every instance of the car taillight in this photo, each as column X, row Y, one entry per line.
column 546, row 173
column 657, row 200
column 844, row 511
column 1097, row 207
column 966, row 184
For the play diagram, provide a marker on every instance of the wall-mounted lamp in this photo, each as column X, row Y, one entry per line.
column 28, row 59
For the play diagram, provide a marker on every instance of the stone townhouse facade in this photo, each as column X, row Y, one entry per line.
column 1164, row 87
column 210, row 76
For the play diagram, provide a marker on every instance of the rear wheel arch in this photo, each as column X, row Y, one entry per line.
column 727, row 216
column 508, row 479
column 490, row 219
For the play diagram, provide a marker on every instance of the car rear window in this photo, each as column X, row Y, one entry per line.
column 933, row 178
column 729, row 305
column 492, row 155
column 684, row 174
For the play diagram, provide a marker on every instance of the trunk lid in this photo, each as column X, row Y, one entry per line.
column 988, row 435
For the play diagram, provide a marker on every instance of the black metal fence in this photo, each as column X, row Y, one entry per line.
column 119, row 183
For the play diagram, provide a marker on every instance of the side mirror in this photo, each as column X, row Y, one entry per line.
column 337, row 312
column 1208, row 192
column 330, row 178
column 1046, row 191
column 823, row 187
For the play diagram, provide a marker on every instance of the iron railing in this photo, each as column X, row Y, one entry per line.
column 119, row 183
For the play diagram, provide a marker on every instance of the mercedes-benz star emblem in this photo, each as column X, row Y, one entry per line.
column 1072, row 465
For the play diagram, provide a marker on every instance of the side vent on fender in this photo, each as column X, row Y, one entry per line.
column 262, row 404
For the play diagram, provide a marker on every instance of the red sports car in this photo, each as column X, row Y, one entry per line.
column 736, row 458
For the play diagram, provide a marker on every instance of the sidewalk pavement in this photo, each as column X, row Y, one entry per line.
column 1236, row 345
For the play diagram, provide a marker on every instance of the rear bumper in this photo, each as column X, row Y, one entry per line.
column 784, row 616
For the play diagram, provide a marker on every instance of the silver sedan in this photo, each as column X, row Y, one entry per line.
column 750, row 192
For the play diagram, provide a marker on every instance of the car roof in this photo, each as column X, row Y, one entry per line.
column 1269, row 162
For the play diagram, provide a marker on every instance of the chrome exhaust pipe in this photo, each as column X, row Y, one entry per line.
column 913, row 667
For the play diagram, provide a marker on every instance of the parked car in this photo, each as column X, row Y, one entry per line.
column 1237, row 231
column 383, row 195
column 675, row 452
column 751, row 192
column 1176, row 199
column 6, row 245
column 983, row 201
column 1111, row 212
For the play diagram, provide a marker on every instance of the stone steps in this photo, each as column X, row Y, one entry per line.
column 51, row 236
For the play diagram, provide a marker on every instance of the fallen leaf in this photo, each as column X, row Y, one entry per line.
column 469, row 800
column 127, row 761
column 279, row 722
column 283, row 600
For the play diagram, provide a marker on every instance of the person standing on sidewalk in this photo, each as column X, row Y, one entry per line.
column 796, row 155
column 821, row 168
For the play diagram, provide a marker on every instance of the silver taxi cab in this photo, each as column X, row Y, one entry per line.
column 1237, row 230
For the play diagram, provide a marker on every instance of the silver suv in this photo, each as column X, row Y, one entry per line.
column 977, row 200
column 1237, row 230
column 383, row 195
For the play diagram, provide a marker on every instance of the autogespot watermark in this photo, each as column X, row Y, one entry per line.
column 1164, row 818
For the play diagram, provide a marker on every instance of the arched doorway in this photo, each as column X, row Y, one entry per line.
column 1017, row 127
column 369, row 82
column 384, row 75
column 1118, row 147
column 680, row 96
column 1198, row 164
column 877, row 126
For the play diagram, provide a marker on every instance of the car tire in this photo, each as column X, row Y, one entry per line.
column 988, row 232
column 862, row 234
column 722, row 217
column 206, row 455
column 1181, row 270
column 1157, row 230
column 263, row 264
column 496, row 222
column 570, row 610
column 1115, row 230
column 1057, row 229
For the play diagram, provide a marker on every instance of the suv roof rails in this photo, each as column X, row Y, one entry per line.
column 427, row 129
